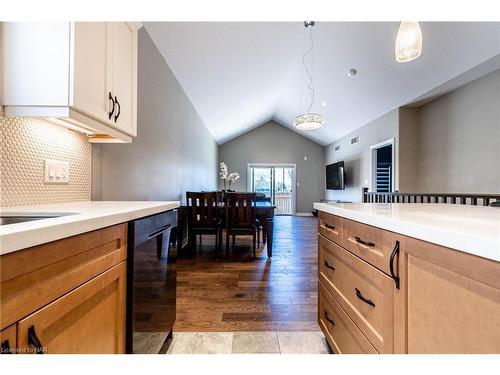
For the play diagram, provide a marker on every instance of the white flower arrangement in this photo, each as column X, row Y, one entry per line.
column 226, row 176
column 223, row 172
column 232, row 177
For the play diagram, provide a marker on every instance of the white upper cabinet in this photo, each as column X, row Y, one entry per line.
column 124, row 74
column 36, row 63
column 90, row 60
column 82, row 74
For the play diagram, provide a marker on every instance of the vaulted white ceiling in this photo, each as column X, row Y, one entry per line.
column 240, row 75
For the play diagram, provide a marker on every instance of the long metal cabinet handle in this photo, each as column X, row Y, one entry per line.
column 110, row 113
column 395, row 252
column 119, row 109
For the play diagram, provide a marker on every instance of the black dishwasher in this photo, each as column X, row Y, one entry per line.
column 151, row 283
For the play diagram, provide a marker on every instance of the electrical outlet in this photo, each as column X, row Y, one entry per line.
column 56, row 172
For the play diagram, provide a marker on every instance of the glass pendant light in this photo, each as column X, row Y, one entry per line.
column 308, row 120
column 408, row 42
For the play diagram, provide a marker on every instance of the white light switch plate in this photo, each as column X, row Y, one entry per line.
column 56, row 171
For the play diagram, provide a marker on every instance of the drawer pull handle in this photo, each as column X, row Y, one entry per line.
column 330, row 320
column 34, row 340
column 328, row 226
column 327, row 265
column 362, row 242
column 391, row 264
column 365, row 300
column 5, row 347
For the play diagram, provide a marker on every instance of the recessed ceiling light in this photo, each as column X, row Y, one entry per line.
column 352, row 72
column 323, row 103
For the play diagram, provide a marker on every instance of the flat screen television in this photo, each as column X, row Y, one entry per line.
column 335, row 176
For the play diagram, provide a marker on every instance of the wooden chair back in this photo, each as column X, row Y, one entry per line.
column 202, row 209
column 240, row 210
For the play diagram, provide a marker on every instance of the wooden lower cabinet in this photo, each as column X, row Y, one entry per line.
column 340, row 331
column 90, row 319
column 452, row 302
column 364, row 292
column 448, row 301
column 8, row 340
column 66, row 296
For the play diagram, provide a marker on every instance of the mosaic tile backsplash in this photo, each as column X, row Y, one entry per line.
column 25, row 143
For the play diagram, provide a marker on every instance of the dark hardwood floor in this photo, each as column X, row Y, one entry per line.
column 240, row 294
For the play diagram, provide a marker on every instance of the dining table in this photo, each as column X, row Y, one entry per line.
column 264, row 212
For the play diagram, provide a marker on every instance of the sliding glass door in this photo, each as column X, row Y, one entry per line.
column 275, row 182
column 262, row 181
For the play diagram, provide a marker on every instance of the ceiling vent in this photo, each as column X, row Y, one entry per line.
column 354, row 140
column 336, row 148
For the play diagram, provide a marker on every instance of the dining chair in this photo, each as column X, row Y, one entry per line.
column 203, row 216
column 261, row 197
column 240, row 217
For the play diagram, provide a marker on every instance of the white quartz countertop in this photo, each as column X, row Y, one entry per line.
column 86, row 216
column 471, row 229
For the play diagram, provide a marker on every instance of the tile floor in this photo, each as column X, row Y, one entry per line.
column 249, row 343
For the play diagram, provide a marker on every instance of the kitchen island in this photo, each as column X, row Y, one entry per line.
column 409, row 278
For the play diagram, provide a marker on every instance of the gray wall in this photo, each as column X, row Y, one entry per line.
column 173, row 151
column 459, row 139
column 273, row 143
column 451, row 144
column 408, row 150
column 356, row 157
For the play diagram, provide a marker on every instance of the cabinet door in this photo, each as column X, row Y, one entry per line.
column 123, row 37
column 452, row 301
column 36, row 63
column 8, row 339
column 90, row 82
column 90, row 319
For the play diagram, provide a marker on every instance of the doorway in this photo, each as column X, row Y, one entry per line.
column 276, row 182
column 382, row 167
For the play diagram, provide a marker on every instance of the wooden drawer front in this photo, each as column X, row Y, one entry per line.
column 341, row 332
column 330, row 226
column 369, row 243
column 34, row 277
column 354, row 280
column 90, row 319
column 8, row 340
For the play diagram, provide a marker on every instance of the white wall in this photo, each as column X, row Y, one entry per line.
column 357, row 157
column 173, row 152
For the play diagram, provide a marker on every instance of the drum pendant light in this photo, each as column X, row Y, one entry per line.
column 308, row 120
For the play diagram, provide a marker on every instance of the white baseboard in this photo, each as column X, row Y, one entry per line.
column 304, row 214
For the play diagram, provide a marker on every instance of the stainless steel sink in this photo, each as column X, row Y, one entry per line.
column 7, row 218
